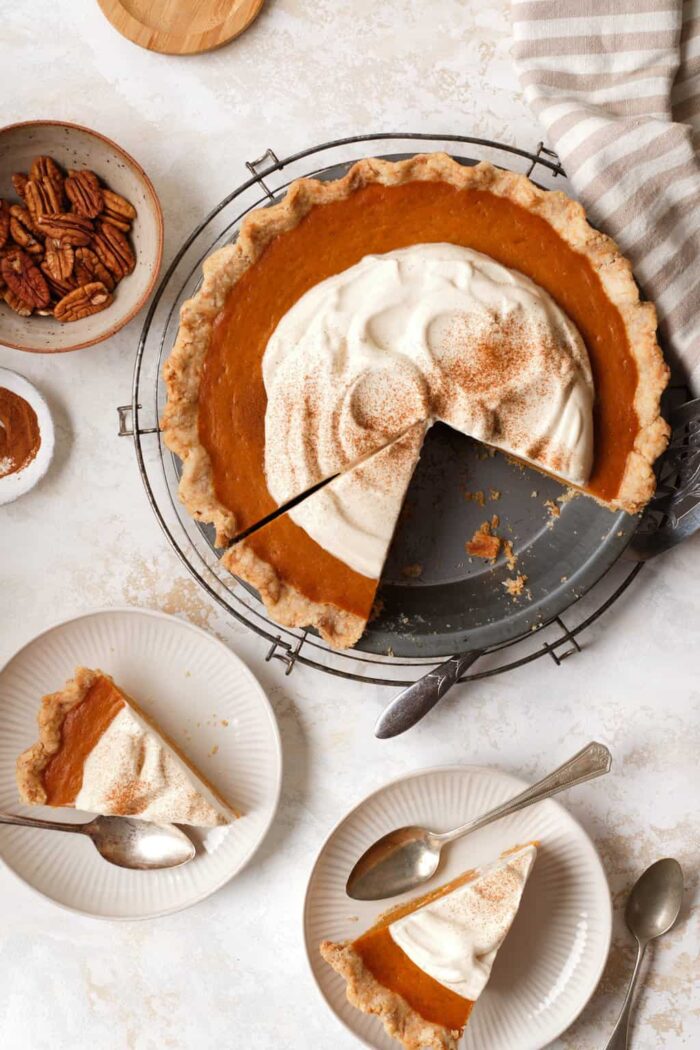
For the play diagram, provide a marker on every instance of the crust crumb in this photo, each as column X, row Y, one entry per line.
column 494, row 494
column 483, row 543
column 552, row 508
column 510, row 555
column 412, row 571
column 515, row 586
column 477, row 497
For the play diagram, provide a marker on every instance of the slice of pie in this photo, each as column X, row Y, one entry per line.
column 329, row 551
column 408, row 292
column 423, row 965
column 98, row 751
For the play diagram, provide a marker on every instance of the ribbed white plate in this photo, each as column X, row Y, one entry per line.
column 191, row 683
column 555, row 952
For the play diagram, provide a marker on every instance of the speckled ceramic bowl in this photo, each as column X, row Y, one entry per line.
column 73, row 146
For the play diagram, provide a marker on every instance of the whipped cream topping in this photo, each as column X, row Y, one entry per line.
column 354, row 516
column 132, row 770
column 455, row 938
column 433, row 331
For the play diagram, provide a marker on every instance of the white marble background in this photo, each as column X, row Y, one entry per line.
column 231, row 972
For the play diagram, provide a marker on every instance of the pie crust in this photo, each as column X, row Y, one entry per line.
column 183, row 369
column 401, row 1021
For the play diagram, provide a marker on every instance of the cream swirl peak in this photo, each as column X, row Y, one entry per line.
column 433, row 331
column 455, row 938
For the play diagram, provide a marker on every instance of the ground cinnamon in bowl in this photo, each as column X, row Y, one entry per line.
column 20, row 436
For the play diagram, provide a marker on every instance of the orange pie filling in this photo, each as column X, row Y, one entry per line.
column 329, row 239
column 82, row 728
column 393, row 969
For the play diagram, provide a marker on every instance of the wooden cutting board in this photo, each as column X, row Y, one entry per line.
column 180, row 27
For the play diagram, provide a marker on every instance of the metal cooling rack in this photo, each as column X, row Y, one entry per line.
column 159, row 469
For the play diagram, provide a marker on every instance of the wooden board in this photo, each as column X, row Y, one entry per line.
column 180, row 27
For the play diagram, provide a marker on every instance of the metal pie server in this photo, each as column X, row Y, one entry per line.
column 414, row 702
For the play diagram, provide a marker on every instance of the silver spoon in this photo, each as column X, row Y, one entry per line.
column 409, row 856
column 652, row 909
column 123, row 841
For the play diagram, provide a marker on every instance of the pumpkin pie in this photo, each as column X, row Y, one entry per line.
column 423, row 965
column 98, row 751
column 406, row 293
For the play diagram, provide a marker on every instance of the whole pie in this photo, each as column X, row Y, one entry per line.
column 423, row 965
column 352, row 312
column 98, row 751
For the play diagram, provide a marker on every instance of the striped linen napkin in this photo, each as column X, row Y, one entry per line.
column 616, row 85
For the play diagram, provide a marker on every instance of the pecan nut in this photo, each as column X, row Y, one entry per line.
column 88, row 268
column 4, row 223
column 25, row 279
column 59, row 287
column 66, row 227
column 19, row 181
column 84, row 301
column 118, row 211
column 23, row 231
column 42, row 197
column 113, row 250
column 15, row 303
column 83, row 191
column 45, row 168
column 59, row 258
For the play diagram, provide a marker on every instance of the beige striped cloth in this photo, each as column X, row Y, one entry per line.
column 616, row 85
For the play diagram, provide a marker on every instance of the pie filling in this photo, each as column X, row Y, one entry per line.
column 437, row 952
column 99, row 752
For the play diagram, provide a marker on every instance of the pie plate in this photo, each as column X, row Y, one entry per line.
column 554, row 955
column 203, row 696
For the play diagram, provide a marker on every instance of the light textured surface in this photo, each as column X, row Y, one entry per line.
column 232, row 970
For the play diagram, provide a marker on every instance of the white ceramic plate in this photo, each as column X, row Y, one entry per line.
column 191, row 683
column 555, row 952
column 12, row 486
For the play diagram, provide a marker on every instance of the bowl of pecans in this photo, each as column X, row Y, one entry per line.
column 81, row 237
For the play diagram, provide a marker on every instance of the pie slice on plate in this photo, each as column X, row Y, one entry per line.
column 98, row 751
column 321, row 562
column 423, row 965
column 403, row 293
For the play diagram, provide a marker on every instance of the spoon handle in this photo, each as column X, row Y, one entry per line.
column 414, row 702
column 35, row 822
column 618, row 1040
column 590, row 762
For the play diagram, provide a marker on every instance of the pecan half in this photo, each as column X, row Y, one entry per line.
column 25, row 279
column 88, row 268
column 19, row 181
column 15, row 303
column 4, row 223
column 59, row 288
column 59, row 258
column 86, row 300
column 42, row 197
column 67, row 227
column 113, row 250
column 45, row 167
column 83, row 191
column 24, row 231
column 118, row 211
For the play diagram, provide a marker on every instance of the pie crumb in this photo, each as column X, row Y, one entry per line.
column 478, row 497
column 495, row 521
column 224, row 722
column 412, row 571
column 214, row 749
column 515, row 586
column 533, row 494
column 494, row 494
column 483, row 544
column 553, row 509
column 510, row 555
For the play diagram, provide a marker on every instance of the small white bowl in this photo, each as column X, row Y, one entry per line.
column 12, row 486
column 72, row 146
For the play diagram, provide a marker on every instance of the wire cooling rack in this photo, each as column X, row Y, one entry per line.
column 159, row 469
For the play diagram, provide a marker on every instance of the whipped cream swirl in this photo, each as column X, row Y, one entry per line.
column 433, row 331
column 455, row 938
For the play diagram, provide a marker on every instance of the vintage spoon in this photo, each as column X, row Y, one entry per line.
column 416, row 700
column 652, row 909
column 123, row 841
column 408, row 856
